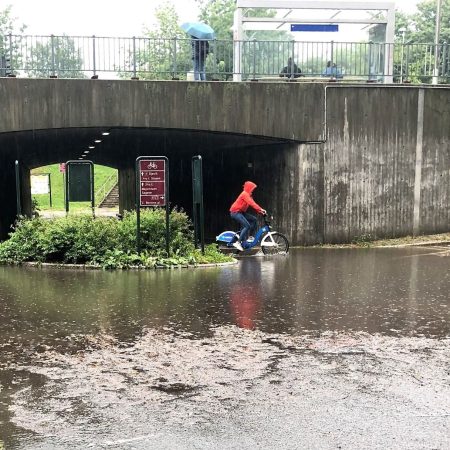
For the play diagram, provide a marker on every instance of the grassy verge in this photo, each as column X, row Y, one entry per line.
column 368, row 241
column 107, row 242
column 101, row 174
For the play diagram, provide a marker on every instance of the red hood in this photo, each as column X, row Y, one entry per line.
column 249, row 186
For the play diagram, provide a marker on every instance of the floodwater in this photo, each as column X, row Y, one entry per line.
column 323, row 348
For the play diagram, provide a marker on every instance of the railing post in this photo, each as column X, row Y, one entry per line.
column 370, row 60
column 254, row 59
column 332, row 52
column 52, row 41
column 174, row 65
column 407, row 64
column 444, row 60
column 11, row 68
column 134, row 77
column 435, row 79
column 94, row 67
column 291, row 77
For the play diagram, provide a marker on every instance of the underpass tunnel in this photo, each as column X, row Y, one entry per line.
column 228, row 161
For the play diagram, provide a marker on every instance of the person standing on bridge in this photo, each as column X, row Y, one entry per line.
column 200, row 50
column 238, row 212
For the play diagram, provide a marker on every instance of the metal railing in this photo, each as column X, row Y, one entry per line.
column 106, row 188
column 159, row 59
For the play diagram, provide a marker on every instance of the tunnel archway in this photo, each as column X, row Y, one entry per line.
column 228, row 159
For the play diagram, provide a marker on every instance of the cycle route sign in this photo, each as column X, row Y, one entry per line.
column 152, row 182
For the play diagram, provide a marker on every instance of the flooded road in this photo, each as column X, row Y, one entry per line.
column 325, row 348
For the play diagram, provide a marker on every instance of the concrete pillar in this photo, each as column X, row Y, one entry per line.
column 7, row 197
column 418, row 166
column 127, row 189
column 25, row 190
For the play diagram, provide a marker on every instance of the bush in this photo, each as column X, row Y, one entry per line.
column 106, row 242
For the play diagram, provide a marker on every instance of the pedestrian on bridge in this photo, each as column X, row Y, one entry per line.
column 291, row 70
column 200, row 50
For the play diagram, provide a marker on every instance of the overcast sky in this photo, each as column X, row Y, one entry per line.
column 104, row 17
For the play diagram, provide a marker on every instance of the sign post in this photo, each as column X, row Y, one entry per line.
column 152, row 189
column 197, row 200
column 18, row 194
column 62, row 169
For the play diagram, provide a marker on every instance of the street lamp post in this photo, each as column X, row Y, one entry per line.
column 436, row 43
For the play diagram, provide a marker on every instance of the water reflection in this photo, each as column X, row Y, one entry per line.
column 246, row 295
column 386, row 290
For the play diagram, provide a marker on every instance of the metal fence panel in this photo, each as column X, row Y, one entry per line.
column 145, row 58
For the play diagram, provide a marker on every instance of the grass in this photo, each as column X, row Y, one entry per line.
column 366, row 241
column 101, row 174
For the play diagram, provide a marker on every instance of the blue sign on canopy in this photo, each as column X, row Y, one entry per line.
column 314, row 27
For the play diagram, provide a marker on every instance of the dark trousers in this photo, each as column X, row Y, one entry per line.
column 248, row 223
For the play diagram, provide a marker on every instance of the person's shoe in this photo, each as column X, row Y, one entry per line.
column 238, row 246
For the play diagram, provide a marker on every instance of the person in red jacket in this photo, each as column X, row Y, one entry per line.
column 238, row 212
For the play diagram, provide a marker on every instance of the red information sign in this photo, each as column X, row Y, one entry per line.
column 152, row 182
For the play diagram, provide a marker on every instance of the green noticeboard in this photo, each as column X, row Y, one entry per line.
column 197, row 180
column 79, row 180
column 197, row 200
column 79, row 183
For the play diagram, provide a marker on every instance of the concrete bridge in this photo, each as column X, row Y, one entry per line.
column 333, row 162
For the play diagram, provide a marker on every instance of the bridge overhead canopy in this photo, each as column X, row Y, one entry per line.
column 300, row 13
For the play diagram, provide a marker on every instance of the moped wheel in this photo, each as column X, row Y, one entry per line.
column 274, row 244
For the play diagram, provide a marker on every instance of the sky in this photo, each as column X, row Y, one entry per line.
column 105, row 17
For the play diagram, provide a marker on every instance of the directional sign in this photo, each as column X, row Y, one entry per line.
column 152, row 182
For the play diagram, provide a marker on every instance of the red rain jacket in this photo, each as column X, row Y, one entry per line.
column 245, row 200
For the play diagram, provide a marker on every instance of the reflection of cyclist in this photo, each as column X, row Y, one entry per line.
column 238, row 212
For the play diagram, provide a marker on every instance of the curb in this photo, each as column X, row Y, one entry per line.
column 89, row 267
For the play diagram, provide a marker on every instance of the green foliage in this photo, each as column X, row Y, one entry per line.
column 106, row 242
column 219, row 15
column 422, row 23
column 59, row 56
column 418, row 31
column 212, row 255
column 364, row 240
column 9, row 45
column 8, row 24
column 161, row 57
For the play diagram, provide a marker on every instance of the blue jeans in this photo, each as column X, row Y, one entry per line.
column 199, row 69
column 248, row 223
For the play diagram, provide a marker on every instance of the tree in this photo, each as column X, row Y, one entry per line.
column 166, row 50
column 219, row 14
column 417, row 30
column 10, row 55
column 56, row 56
column 424, row 20
column 8, row 24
